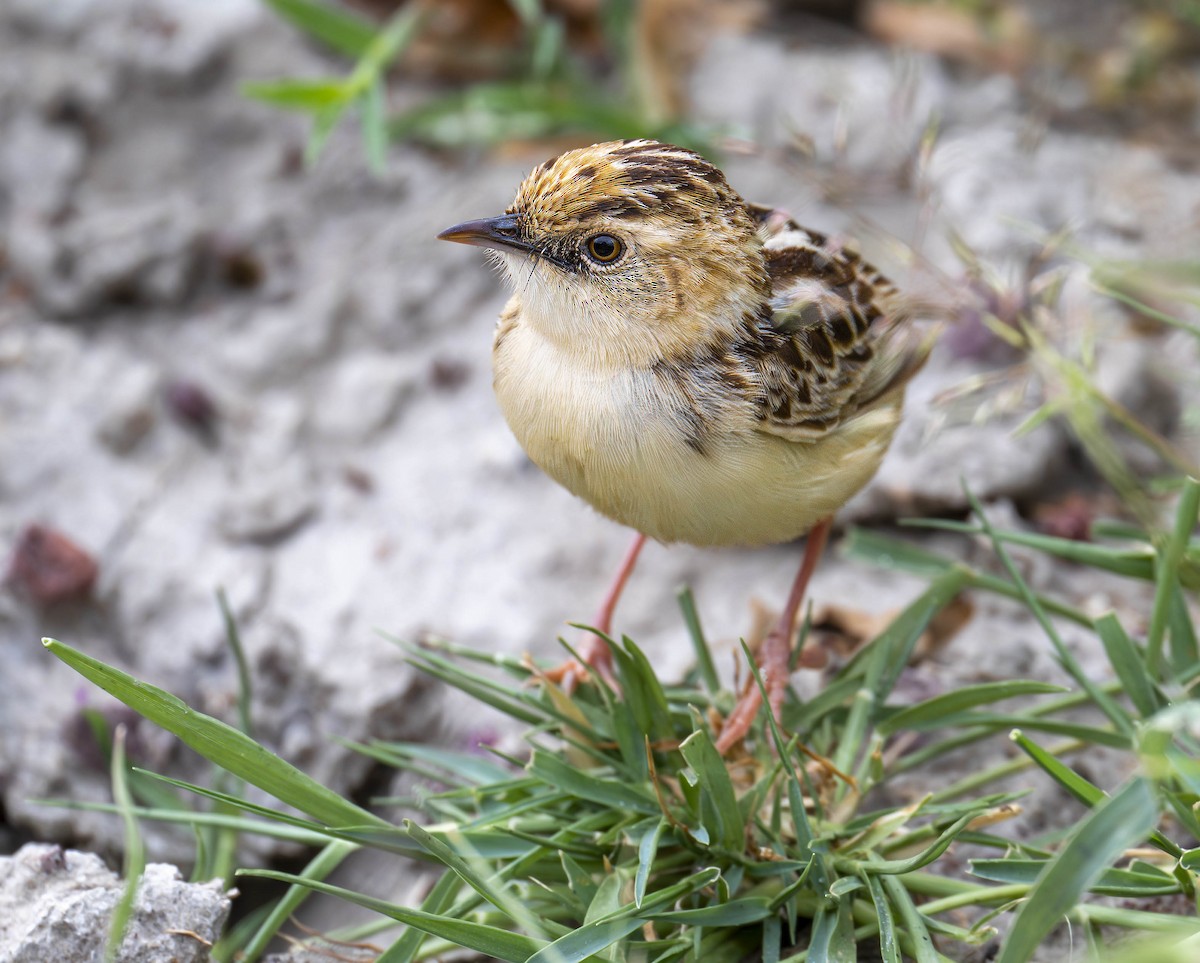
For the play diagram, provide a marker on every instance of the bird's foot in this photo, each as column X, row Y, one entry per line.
column 596, row 659
column 774, row 665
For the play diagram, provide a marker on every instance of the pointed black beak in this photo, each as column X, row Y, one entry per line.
column 499, row 231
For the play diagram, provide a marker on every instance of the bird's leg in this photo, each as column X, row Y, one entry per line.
column 593, row 649
column 775, row 653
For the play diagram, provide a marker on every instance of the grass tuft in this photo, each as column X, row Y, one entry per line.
column 623, row 835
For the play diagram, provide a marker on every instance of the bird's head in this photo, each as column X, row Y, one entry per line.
column 632, row 250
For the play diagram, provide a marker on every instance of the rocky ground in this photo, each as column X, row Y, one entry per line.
column 219, row 368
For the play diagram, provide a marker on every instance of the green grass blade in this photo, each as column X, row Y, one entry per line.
column 480, row 937
column 892, row 553
column 1114, row 825
column 309, row 96
column 1129, row 665
column 647, row 850
column 1166, row 573
column 374, row 128
column 894, row 867
column 584, row 786
column 1117, row 715
column 889, row 945
column 598, row 934
column 190, row 817
column 885, row 658
column 467, row 767
column 704, row 659
column 932, row 710
column 737, row 912
column 1062, row 774
column 719, row 805
column 915, row 926
column 454, row 859
column 344, row 32
column 320, row 866
column 218, row 742
column 135, row 849
column 1185, row 649
column 439, row 900
column 1123, row 883
column 1128, row 562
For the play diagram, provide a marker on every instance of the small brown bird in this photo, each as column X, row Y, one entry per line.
column 697, row 368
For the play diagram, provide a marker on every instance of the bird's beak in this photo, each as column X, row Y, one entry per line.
column 502, row 231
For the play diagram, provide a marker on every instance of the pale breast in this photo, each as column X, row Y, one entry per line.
column 621, row 439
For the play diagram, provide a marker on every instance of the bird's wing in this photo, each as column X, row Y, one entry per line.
column 837, row 341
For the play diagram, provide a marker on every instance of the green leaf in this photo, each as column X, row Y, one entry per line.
column 584, row 786
column 1116, row 714
column 718, row 800
column 374, row 127
column 311, row 96
column 341, row 30
column 219, row 743
column 1128, row 662
column 916, row 927
column 1129, row 562
column 1166, row 572
column 1113, row 826
column 647, row 849
column 1064, row 775
column 453, row 858
column 135, row 850
column 439, row 900
column 320, row 866
column 737, row 912
column 704, row 659
column 489, row 940
column 933, row 710
column 1111, row 882
column 598, row 934
column 889, row 945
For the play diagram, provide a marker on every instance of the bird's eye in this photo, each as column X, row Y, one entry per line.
column 603, row 248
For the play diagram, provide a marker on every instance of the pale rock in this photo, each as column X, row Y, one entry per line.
column 56, row 906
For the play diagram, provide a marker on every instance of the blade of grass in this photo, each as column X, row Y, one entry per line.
column 135, row 850
column 439, row 900
column 718, row 798
column 704, row 659
column 317, row 868
column 341, row 30
column 1129, row 665
column 1166, row 573
column 218, row 742
column 480, row 937
column 1120, row 821
column 1118, row 716
column 967, row 697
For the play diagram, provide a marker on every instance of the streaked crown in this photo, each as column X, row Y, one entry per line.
column 627, row 179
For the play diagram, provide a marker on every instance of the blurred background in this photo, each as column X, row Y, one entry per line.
column 232, row 355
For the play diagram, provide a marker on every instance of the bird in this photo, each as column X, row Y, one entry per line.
column 696, row 367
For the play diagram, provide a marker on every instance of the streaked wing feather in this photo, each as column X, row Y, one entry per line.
column 839, row 341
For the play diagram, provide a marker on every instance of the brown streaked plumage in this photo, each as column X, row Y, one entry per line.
column 697, row 368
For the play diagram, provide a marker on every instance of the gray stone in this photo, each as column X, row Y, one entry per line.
column 146, row 252
column 56, row 906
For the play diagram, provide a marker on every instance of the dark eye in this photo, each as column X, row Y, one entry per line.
column 603, row 248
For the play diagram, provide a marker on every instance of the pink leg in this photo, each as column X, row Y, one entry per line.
column 774, row 657
column 593, row 649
